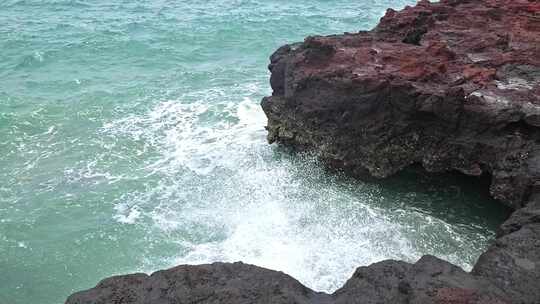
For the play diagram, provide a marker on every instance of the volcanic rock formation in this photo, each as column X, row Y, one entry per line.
column 453, row 85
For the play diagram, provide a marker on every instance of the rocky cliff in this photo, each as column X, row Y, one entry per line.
column 452, row 86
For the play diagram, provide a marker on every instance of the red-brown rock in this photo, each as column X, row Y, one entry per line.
column 453, row 85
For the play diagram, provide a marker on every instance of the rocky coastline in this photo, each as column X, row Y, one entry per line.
column 450, row 86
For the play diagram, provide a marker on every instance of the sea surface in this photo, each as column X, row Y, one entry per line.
column 131, row 139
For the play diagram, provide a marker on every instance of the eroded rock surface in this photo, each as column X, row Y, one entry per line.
column 215, row 283
column 453, row 85
column 513, row 261
column 430, row 280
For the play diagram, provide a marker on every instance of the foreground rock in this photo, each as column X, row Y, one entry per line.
column 513, row 261
column 430, row 280
column 216, row 283
column 453, row 85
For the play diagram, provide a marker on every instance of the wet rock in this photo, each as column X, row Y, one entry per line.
column 453, row 85
column 430, row 280
column 214, row 283
column 513, row 261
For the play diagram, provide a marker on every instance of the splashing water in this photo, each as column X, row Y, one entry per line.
column 131, row 139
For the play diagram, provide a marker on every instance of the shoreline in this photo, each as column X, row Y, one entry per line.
column 452, row 86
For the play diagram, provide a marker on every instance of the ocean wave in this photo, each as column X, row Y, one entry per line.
column 223, row 194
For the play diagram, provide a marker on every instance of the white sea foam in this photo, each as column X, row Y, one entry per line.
column 127, row 214
column 320, row 251
column 224, row 194
column 38, row 56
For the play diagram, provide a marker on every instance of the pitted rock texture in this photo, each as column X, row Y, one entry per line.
column 453, row 85
column 430, row 280
column 513, row 261
column 216, row 283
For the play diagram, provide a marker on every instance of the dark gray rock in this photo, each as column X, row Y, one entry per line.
column 430, row 280
column 214, row 283
column 513, row 261
column 513, row 264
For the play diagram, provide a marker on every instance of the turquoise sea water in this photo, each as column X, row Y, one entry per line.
column 131, row 139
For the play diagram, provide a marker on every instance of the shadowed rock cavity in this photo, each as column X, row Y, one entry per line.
column 453, row 85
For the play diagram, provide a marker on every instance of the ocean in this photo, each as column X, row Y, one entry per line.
column 131, row 140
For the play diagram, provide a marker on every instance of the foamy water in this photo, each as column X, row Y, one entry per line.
column 261, row 205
